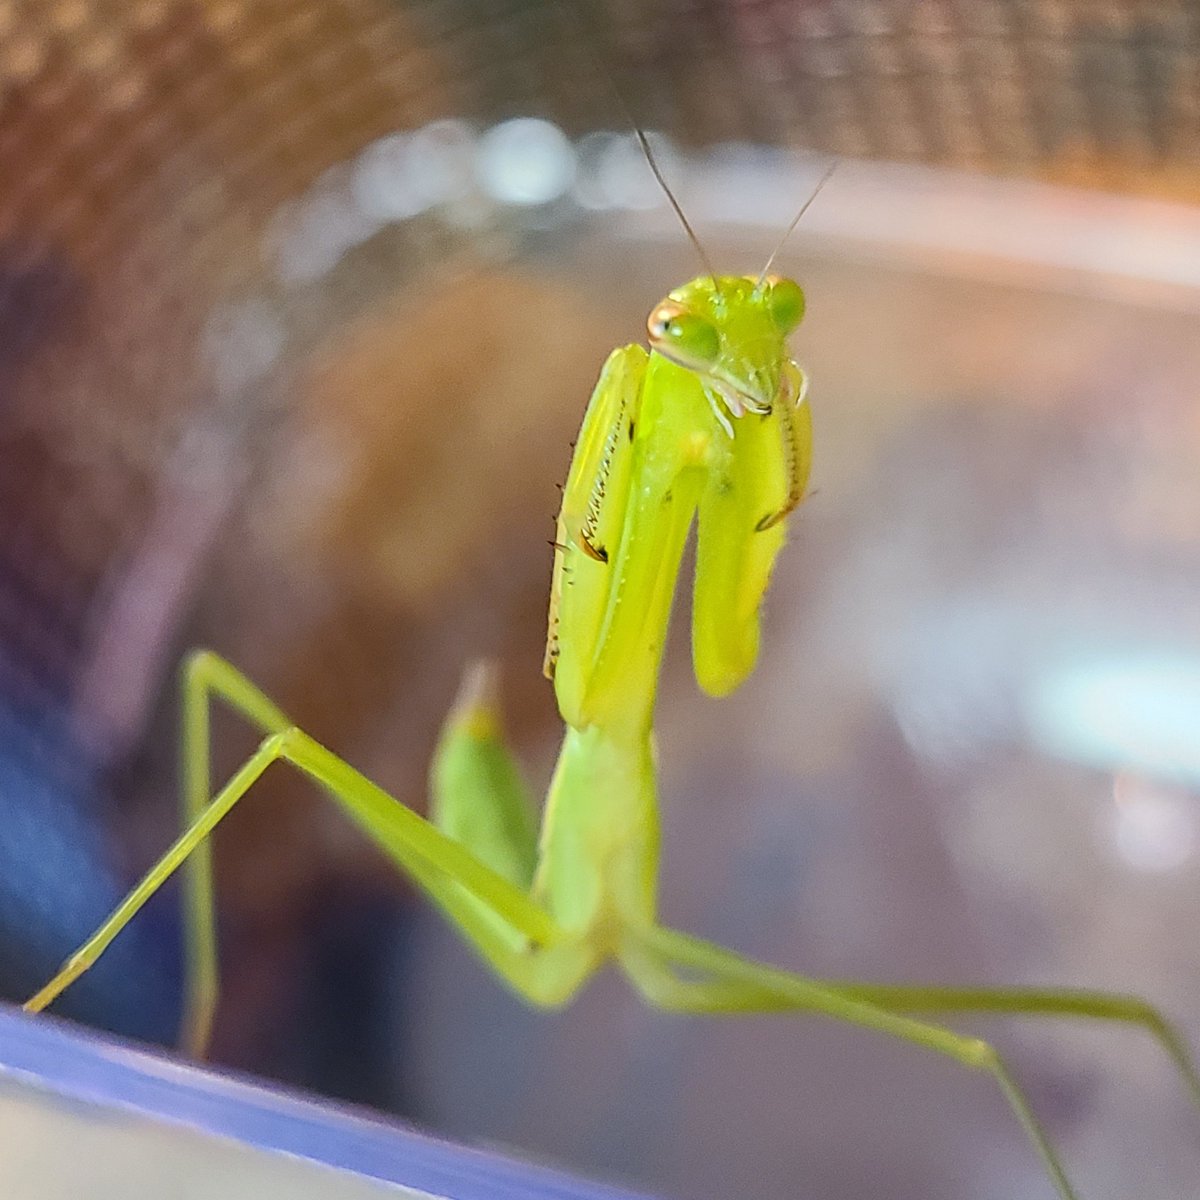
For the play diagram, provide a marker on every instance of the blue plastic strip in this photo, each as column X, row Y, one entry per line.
column 78, row 1065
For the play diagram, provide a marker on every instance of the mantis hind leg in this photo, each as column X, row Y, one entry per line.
column 521, row 941
column 685, row 974
column 1037, row 1002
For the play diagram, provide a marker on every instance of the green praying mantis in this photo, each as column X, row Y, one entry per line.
column 710, row 426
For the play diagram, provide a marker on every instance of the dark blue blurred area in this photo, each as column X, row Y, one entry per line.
column 57, row 884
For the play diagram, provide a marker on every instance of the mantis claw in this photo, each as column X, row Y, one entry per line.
column 594, row 552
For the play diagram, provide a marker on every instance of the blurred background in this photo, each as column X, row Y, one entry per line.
column 299, row 308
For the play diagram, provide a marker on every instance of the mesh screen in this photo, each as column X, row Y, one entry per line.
column 147, row 144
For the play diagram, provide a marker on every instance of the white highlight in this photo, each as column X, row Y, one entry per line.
column 241, row 342
column 525, row 161
column 613, row 172
column 1152, row 826
column 387, row 182
column 1139, row 712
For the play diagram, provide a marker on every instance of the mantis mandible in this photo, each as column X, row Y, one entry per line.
column 710, row 425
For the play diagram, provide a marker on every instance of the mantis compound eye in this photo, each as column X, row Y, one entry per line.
column 785, row 300
column 683, row 337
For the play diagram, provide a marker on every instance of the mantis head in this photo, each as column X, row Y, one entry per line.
column 731, row 332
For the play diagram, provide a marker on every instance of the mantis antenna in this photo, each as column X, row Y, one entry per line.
column 595, row 36
column 796, row 220
column 644, row 142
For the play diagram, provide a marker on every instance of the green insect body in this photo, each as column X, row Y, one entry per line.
column 710, row 425
column 704, row 426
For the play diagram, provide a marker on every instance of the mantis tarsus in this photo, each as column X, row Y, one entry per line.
column 712, row 425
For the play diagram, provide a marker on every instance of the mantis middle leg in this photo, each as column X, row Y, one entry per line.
column 519, row 938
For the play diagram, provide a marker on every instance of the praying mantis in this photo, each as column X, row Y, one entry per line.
column 709, row 426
